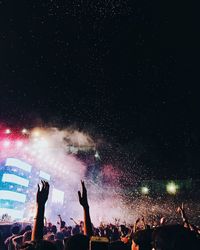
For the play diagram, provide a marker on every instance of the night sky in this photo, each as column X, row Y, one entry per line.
column 127, row 69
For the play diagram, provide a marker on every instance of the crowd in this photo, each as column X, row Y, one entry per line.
column 84, row 236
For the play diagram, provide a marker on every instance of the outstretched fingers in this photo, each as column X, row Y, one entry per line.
column 79, row 196
column 84, row 190
column 82, row 195
column 82, row 184
column 46, row 187
column 43, row 192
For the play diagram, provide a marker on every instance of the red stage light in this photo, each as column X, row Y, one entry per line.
column 7, row 131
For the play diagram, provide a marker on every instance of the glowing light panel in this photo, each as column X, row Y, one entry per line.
column 14, row 196
column 44, row 175
column 57, row 196
column 15, row 179
column 19, row 164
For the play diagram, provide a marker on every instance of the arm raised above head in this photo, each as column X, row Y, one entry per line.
column 84, row 203
column 41, row 199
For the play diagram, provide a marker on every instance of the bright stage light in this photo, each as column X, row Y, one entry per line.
column 172, row 188
column 145, row 190
column 36, row 133
column 7, row 131
column 24, row 131
column 6, row 144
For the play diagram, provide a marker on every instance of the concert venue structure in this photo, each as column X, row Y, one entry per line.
column 63, row 158
column 26, row 157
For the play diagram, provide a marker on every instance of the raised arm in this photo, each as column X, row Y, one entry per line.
column 17, row 241
column 84, row 203
column 143, row 222
column 59, row 221
column 135, row 225
column 183, row 215
column 41, row 198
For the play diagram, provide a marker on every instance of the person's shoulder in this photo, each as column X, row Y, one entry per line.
column 9, row 238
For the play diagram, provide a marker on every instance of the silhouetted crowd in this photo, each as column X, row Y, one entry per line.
column 84, row 236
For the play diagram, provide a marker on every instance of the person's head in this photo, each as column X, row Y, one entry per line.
column 76, row 230
column 27, row 236
column 15, row 229
column 108, row 232
column 59, row 236
column 54, row 229
column 124, row 231
column 142, row 239
column 49, row 224
column 62, row 224
column 96, row 231
column 49, row 237
column 66, row 232
column 77, row 242
column 114, row 235
column 27, row 228
column 174, row 237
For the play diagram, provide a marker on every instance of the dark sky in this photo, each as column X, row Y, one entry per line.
column 129, row 69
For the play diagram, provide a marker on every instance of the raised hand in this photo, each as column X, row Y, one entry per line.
column 181, row 210
column 41, row 198
column 83, row 197
column 42, row 193
column 162, row 221
column 137, row 221
column 84, row 203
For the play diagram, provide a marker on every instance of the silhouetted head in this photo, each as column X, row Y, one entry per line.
column 77, row 242
column 76, row 230
column 27, row 228
column 59, row 236
column 174, row 237
column 15, row 229
column 54, row 229
column 27, row 236
column 143, row 239
column 62, row 224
